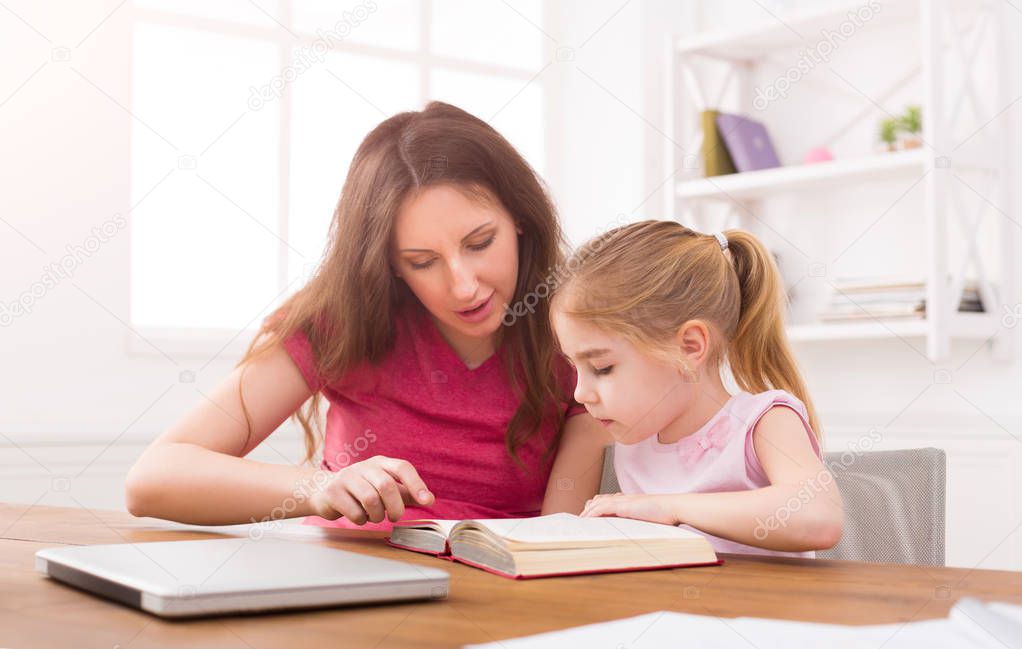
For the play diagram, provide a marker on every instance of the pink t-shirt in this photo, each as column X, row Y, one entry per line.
column 718, row 457
column 422, row 404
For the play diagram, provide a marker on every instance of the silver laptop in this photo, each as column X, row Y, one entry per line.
column 211, row 577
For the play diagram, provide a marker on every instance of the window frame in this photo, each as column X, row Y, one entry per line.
column 226, row 343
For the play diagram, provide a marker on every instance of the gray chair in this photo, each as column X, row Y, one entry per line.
column 608, row 481
column 894, row 504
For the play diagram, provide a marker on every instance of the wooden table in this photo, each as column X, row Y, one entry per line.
column 38, row 612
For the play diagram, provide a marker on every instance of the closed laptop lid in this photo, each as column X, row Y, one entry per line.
column 210, row 568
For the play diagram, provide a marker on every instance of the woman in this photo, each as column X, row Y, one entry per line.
column 440, row 404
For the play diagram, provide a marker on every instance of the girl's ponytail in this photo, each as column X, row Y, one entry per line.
column 759, row 354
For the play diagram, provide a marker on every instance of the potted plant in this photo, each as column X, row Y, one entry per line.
column 911, row 125
column 889, row 132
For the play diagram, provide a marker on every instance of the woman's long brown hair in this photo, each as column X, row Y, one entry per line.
column 347, row 309
column 645, row 280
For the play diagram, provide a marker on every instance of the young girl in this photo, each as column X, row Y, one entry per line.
column 439, row 406
column 649, row 317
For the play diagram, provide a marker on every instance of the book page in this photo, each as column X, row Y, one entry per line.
column 438, row 525
column 666, row 628
column 555, row 528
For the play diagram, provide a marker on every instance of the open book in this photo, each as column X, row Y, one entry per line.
column 558, row 544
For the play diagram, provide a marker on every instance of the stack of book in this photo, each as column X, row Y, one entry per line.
column 868, row 299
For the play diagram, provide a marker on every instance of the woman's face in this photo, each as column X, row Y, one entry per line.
column 457, row 252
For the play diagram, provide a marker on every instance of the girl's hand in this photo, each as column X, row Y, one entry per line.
column 371, row 490
column 655, row 508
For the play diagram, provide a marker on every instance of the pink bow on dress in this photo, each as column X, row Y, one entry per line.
column 694, row 447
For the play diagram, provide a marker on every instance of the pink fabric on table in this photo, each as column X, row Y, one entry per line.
column 422, row 404
column 718, row 457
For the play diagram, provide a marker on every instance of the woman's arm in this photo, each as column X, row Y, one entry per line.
column 195, row 472
column 578, row 467
column 800, row 510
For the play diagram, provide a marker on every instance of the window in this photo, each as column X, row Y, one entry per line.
column 247, row 115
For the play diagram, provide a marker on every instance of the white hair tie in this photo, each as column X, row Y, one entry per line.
column 721, row 239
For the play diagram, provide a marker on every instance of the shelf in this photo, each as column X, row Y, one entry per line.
column 822, row 175
column 963, row 325
column 790, row 30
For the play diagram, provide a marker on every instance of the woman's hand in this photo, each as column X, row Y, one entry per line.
column 656, row 508
column 371, row 490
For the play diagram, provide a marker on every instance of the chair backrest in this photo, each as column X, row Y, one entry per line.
column 608, row 482
column 894, row 504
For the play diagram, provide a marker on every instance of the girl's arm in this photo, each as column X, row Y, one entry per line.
column 578, row 467
column 800, row 510
column 195, row 472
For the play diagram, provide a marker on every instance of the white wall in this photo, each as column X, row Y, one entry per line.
column 71, row 383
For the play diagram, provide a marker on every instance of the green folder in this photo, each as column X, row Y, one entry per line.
column 716, row 159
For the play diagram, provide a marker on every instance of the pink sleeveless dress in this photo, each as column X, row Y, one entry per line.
column 718, row 457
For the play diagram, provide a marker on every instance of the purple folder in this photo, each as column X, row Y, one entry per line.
column 748, row 142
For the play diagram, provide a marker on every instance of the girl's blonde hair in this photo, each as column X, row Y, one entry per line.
column 645, row 280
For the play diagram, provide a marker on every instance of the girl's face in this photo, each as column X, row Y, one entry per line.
column 633, row 394
column 459, row 255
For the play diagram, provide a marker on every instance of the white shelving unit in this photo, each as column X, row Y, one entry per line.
column 945, row 29
column 750, row 43
column 817, row 177
column 965, row 325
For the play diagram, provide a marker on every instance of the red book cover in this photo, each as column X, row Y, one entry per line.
column 446, row 554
